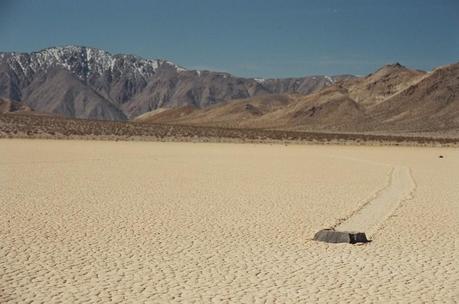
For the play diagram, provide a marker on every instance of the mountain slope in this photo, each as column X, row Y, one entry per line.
column 60, row 92
column 200, row 89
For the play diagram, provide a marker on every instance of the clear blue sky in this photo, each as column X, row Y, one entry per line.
column 246, row 37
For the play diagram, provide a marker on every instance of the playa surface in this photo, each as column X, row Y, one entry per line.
column 145, row 222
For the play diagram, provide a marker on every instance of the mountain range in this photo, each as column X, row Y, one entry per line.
column 90, row 83
column 85, row 82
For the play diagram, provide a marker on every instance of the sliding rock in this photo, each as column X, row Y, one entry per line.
column 333, row 236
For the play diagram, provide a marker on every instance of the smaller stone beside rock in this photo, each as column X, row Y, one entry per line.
column 333, row 236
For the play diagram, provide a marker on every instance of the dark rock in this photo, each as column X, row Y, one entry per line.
column 333, row 236
column 441, row 156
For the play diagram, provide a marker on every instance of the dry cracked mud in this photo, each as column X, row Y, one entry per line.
column 145, row 222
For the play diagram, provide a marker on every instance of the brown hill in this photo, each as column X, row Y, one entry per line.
column 330, row 109
column 228, row 114
column 385, row 82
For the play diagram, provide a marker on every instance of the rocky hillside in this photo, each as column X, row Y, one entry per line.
column 87, row 82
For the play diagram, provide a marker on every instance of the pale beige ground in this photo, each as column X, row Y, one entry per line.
column 135, row 222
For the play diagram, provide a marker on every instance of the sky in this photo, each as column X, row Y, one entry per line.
column 250, row 38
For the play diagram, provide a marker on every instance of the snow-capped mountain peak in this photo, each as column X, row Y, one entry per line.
column 85, row 62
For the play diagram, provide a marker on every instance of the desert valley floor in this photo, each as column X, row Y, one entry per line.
column 145, row 222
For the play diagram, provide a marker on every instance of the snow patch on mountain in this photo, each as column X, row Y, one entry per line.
column 330, row 79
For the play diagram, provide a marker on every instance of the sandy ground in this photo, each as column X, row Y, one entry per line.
column 138, row 222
